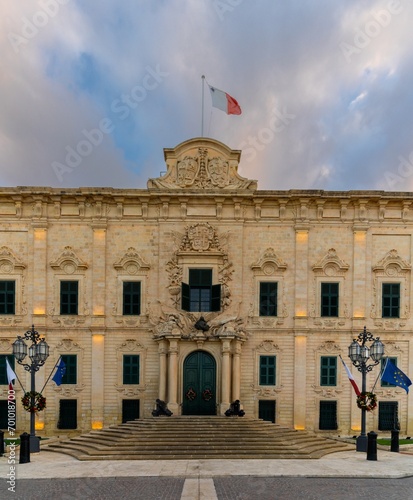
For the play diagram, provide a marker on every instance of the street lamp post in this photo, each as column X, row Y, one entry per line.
column 360, row 355
column 38, row 353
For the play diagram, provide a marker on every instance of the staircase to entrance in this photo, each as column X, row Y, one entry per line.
column 192, row 437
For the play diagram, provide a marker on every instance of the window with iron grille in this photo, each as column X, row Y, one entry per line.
column 328, row 416
column 388, row 415
column 200, row 295
column 328, row 370
column 7, row 297
column 131, row 298
column 70, row 376
column 131, row 369
column 391, row 300
column 69, row 297
column 67, row 414
column 329, row 299
column 267, row 370
column 268, row 298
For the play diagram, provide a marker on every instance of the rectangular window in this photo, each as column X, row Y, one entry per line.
column 267, row 370
column 268, row 298
column 4, row 421
column 69, row 297
column 200, row 295
column 328, row 416
column 328, row 370
column 131, row 369
column 130, row 410
column 70, row 376
column 391, row 300
column 329, row 299
column 388, row 415
column 67, row 414
column 3, row 368
column 383, row 363
column 266, row 410
column 131, row 298
column 7, row 297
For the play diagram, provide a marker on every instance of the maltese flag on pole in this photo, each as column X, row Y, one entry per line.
column 224, row 101
column 351, row 378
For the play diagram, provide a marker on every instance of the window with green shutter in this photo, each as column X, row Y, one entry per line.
column 328, row 370
column 131, row 298
column 391, row 300
column 131, row 369
column 329, row 299
column 268, row 298
column 70, row 376
column 69, row 297
column 267, row 370
column 7, row 297
column 200, row 295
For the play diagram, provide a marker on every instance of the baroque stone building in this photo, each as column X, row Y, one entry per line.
column 201, row 290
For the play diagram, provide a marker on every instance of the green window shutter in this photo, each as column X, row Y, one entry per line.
column 328, row 415
column 7, row 297
column 267, row 370
column 132, row 298
column 391, row 300
column 268, row 298
column 69, row 297
column 70, row 376
column 185, row 297
column 216, row 298
column 328, row 370
column 131, row 369
column 329, row 299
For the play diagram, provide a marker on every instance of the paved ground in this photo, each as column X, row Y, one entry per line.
column 344, row 475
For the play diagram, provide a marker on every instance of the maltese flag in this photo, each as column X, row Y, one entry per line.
column 224, row 101
column 351, row 378
column 11, row 376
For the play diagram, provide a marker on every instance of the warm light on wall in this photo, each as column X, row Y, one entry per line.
column 301, row 314
column 39, row 426
column 39, row 234
column 98, row 310
column 360, row 236
column 299, row 427
column 39, row 310
column 99, row 234
column 98, row 338
column 302, row 236
column 97, row 424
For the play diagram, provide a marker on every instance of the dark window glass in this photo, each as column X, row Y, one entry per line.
column 200, row 295
column 7, row 297
column 131, row 369
column 132, row 298
column 67, row 414
column 69, row 297
column 266, row 410
column 388, row 415
column 130, row 409
column 391, row 300
column 267, row 370
column 328, row 370
column 268, row 298
column 329, row 299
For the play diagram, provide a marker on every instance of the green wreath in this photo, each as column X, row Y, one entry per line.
column 367, row 401
column 39, row 402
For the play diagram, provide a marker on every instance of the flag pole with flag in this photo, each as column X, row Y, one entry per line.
column 57, row 377
column 395, row 376
column 11, row 376
column 351, row 378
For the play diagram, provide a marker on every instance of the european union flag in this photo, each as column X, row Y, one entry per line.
column 395, row 376
column 61, row 370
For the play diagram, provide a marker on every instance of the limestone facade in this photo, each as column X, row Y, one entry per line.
column 202, row 214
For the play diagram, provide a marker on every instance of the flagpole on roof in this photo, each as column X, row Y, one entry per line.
column 202, row 113
column 48, row 378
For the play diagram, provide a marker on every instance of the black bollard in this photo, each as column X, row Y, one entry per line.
column 371, row 446
column 24, row 448
column 394, row 444
column 1, row 443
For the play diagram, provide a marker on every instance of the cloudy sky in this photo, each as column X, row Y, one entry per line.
column 92, row 91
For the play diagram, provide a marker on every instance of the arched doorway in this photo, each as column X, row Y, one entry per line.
column 199, row 384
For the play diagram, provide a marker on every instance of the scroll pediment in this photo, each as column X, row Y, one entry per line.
column 392, row 260
column 202, row 163
column 9, row 262
column 331, row 264
column 269, row 263
column 69, row 262
column 131, row 263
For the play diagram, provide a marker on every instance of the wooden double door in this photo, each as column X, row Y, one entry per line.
column 199, row 384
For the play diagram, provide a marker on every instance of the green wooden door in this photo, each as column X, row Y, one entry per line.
column 199, row 396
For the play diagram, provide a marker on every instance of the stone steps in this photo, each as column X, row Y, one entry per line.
column 186, row 437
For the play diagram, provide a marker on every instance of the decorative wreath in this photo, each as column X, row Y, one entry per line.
column 39, row 402
column 207, row 395
column 367, row 401
column 190, row 394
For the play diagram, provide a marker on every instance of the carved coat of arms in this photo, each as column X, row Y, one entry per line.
column 186, row 171
column 200, row 237
column 218, row 171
